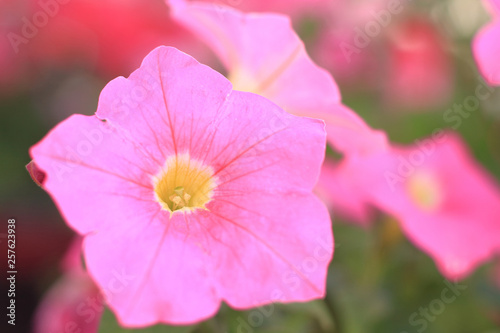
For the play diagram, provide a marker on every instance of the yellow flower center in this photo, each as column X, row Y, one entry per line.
column 184, row 184
column 425, row 191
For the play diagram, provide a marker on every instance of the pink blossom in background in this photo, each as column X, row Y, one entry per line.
column 66, row 306
column 265, row 56
column 446, row 203
column 72, row 260
column 375, row 45
column 335, row 23
column 294, row 8
column 493, row 6
column 349, row 67
column 13, row 71
column 14, row 67
column 338, row 188
column 420, row 69
column 73, row 303
column 110, row 37
column 176, row 168
column 486, row 47
column 496, row 5
column 343, row 45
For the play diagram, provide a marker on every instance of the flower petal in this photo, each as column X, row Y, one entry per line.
column 249, row 51
column 274, row 151
column 460, row 229
column 339, row 189
column 101, row 170
column 486, row 51
column 36, row 174
column 265, row 56
column 87, row 164
column 270, row 245
column 152, row 273
column 168, row 122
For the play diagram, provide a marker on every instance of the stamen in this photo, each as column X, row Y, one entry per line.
column 184, row 184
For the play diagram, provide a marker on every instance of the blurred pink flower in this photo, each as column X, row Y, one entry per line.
column 375, row 45
column 264, row 55
column 294, row 8
column 446, row 203
column 337, row 187
column 332, row 50
column 108, row 36
column 13, row 66
column 348, row 39
column 72, row 260
column 331, row 25
column 496, row 6
column 486, row 47
column 420, row 72
column 73, row 303
column 185, row 194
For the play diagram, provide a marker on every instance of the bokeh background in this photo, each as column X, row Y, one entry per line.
column 403, row 80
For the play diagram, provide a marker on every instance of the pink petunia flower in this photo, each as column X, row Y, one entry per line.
column 338, row 188
column 189, row 193
column 108, row 36
column 13, row 66
column 294, row 8
column 73, row 303
column 263, row 55
column 349, row 39
column 446, row 203
column 420, row 73
column 486, row 47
